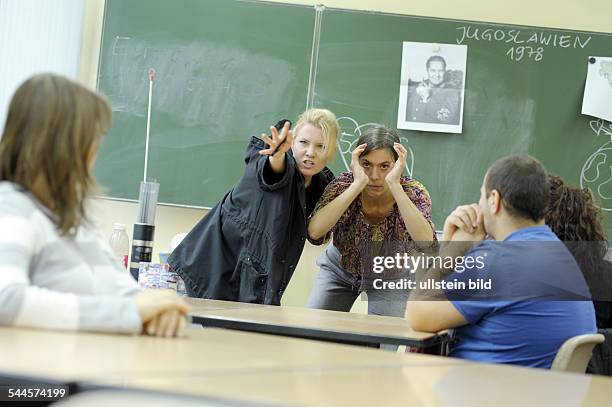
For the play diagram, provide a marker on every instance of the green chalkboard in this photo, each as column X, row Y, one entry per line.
column 516, row 100
column 226, row 70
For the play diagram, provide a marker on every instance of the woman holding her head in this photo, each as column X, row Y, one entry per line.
column 372, row 211
column 56, row 270
column 246, row 248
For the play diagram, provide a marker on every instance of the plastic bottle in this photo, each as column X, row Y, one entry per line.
column 120, row 243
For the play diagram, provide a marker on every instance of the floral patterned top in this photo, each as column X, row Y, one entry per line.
column 355, row 238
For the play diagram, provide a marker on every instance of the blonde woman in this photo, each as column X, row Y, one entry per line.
column 55, row 270
column 247, row 247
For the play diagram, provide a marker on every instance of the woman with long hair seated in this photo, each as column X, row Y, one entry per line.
column 56, row 272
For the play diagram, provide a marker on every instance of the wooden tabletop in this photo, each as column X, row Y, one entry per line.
column 224, row 364
column 465, row 384
column 201, row 305
column 334, row 326
column 68, row 356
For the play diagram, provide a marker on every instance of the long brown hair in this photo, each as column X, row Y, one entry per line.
column 575, row 219
column 51, row 136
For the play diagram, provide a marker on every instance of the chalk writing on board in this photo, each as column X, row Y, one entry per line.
column 196, row 82
column 596, row 172
column 118, row 43
column 524, row 44
column 520, row 52
column 351, row 131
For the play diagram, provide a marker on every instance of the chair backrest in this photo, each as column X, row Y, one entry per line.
column 575, row 353
column 601, row 361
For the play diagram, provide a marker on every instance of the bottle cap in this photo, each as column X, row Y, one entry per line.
column 118, row 226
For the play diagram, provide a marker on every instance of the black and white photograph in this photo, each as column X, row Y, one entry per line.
column 432, row 87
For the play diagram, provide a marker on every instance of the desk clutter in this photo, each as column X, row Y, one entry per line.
column 159, row 276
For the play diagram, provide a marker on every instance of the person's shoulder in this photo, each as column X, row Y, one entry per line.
column 326, row 176
column 322, row 179
column 343, row 178
column 453, row 79
column 412, row 84
column 339, row 184
column 484, row 247
column 488, row 255
column 16, row 201
column 538, row 233
column 21, row 211
column 412, row 185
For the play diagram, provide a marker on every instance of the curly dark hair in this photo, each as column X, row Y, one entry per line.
column 576, row 220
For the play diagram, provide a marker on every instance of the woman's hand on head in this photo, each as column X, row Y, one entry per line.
column 359, row 176
column 162, row 312
column 395, row 175
column 279, row 143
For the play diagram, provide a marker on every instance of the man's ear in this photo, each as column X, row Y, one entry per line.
column 494, row 201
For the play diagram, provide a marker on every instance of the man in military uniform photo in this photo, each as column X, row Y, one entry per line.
column 436, row 99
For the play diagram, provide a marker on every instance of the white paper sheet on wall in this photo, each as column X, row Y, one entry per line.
column 597, row 100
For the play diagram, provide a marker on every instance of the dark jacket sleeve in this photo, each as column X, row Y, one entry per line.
column 267, row 179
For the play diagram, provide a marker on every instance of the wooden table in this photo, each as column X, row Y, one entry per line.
column 219, row 364
column 201, row 305
column 332, row 326
column 465, row 384
column 72, row 357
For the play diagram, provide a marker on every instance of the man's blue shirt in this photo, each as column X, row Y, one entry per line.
column 537, row 300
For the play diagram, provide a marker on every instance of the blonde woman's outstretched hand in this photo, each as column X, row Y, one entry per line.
column 279, row 143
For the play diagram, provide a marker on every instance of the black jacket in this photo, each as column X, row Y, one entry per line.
column 246, row 248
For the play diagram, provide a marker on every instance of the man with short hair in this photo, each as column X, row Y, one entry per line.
column 434, row 100
column 536, row 297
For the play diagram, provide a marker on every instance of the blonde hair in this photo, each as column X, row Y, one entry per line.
column 52, row 132
column 326, row 121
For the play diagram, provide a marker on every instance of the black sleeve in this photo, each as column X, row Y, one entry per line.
column 268, row 180
column 252, row 152
column 269, row 176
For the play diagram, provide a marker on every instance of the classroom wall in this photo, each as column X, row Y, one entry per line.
column 37, row 37
column 587, row 15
